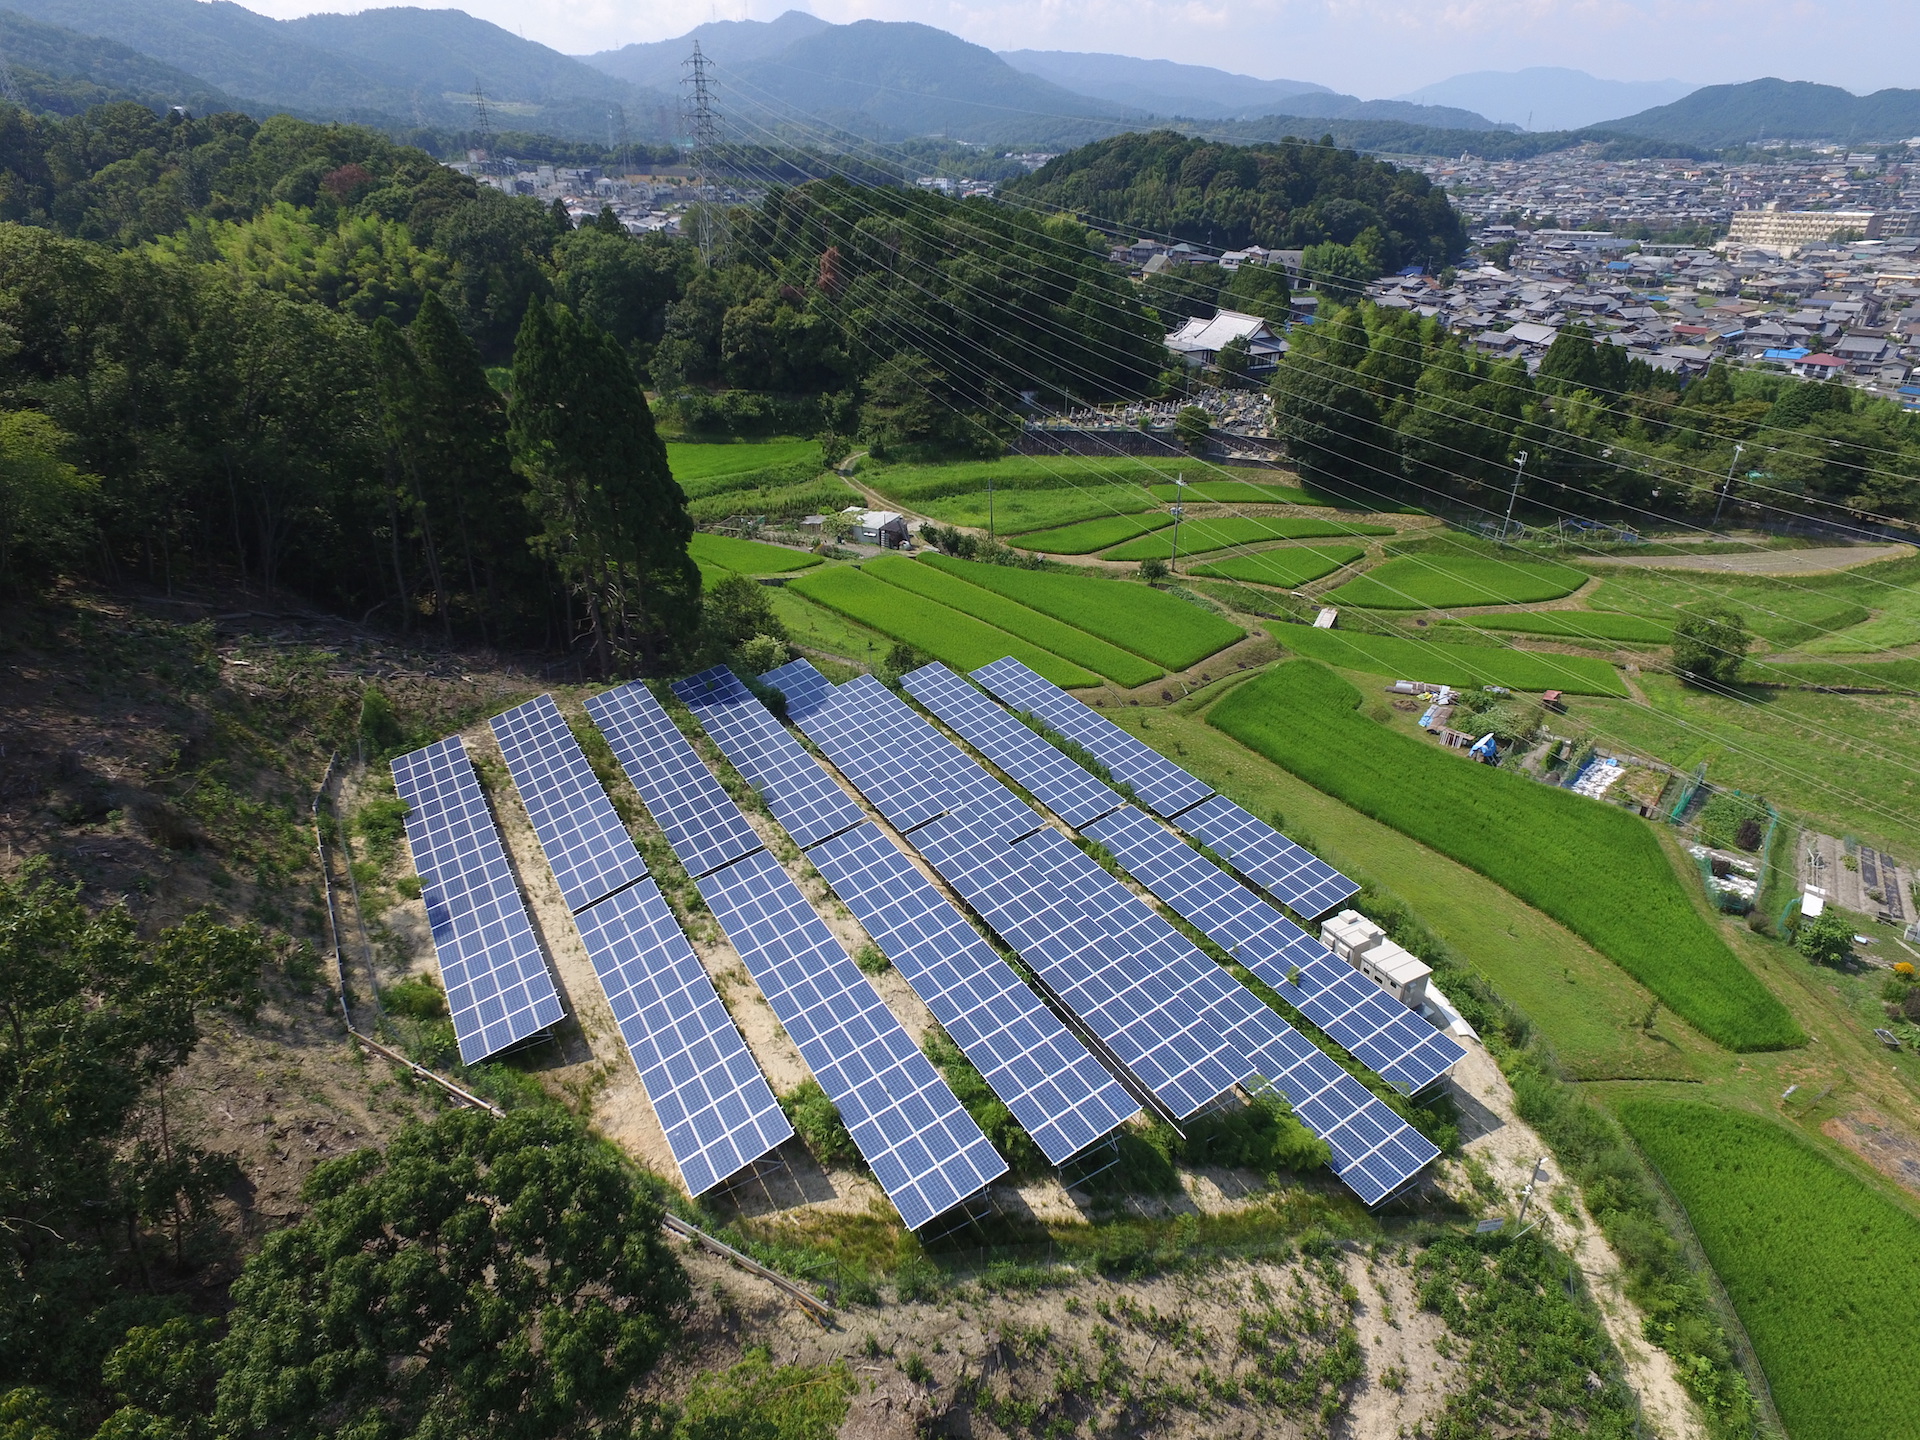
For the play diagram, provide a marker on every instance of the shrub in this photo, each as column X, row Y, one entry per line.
column 1710, row 646
column 379, row 726
column 1263, row 1136
column 419, row 997
column 1826, row 939
column 763, row 653
column 817, row 1122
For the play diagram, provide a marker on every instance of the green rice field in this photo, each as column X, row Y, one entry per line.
column 1239, row 492
column 1122, row 667
column 1217, row 532
column 1169, row 631
column 1573, row 625
column 695, row 464
column 935, row 629
column 746, row 557
column 1595, row 868
column 1287, row 565
column 1467, row 666
column 1091, row 535
column 1436, row 582
column 1848, row 612
column 1819, row 1265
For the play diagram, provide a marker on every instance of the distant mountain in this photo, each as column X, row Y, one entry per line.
column 390, row 67
column 1547, row 97
column 1347, row 107
column 1161, row 87
column 1721, row 115
column 661, row 64
column 65, row 72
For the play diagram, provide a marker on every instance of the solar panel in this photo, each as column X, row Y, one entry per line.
column 801, row 795
column 1133, row 1001
column 589, row 849
column 716, row 1107
column 498, row 990
column 804, row 686
column 1379, row 1031
column 1163, row 785
column 1295, row 877
column 1059, row 1092
column 925, row 1150
column 1062, row 786
column 701, row 822
column 1372, row 1147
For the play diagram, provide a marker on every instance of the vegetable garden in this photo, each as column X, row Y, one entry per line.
column 1435, row 582
column 1466, row 666
column 1819, row 1266
column 1596, row 869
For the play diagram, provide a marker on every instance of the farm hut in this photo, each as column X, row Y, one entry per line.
column 885, row 528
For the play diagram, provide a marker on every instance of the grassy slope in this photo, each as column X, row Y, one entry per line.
column 1818, row 1264
column 1597, row 869
column 1442, row 664
column 1830, row 613
column 1426, row 582
column 1122, row 667
column 1286, row 565
column 1166, row 630
column 1197, row 537
column 944, row 633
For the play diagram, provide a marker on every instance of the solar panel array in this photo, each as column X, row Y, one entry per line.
column 925, row 1150
column 805, row 687
column 1063, row 1097
column 802, row 796
column 498, row 990
column 1062, row 786
column 1379, row 1031
column 715, row 1106
column 1295, row 877
column 701, row 822
column 1129, row 1000
column 1163, row 785
column 583, row 839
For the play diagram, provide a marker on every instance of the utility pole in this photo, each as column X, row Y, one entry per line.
column 703, row 125
column 1724, row 489
column 1519, row 465
column 990, row 505
column 1179, row 511
column 1526, row 1196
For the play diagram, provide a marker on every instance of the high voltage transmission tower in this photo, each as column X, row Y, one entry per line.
column 483, row 119
column 9, row 90
column 703, row 128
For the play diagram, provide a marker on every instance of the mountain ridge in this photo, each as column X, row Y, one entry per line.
column 1548, row 97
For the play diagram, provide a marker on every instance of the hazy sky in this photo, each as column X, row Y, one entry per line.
column 1365, row 47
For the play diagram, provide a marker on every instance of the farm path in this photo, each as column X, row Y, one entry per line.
column 1772, row 562
column 1500, row 1140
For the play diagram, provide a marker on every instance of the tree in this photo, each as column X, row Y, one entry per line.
column 482, row 1280
column 44, row 502
column 1710, row 646
column 1826, row 939
column 1329, row 420
column 737, row 609
column 912, row 405
column 1235, row 357
column 613, row 521
column 1261, row 290
column 1193, row 427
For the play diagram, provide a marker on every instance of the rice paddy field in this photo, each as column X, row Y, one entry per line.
column 1439, row 581
column 774, row 478
column 1819, row 1265
column 1287, row 565
column 1170, row 632
column 746, row 557
column 1091, row 535
column 1848, row 612
column 1238, row 492
column 929, row 626
column 1598, row 625
column 1460, row 665
column 1122, row 667
column 698, row 466
column 1595, row 868
column 1217, row 532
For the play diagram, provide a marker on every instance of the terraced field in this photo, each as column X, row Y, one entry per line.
column 1217, row 532
column 1091, row 535
column 1286, row 565
column 1438, row 581
column 1030, row 492
column 1238, row 492
column 1469, row 666
column 1573, row 625
column 746, row 557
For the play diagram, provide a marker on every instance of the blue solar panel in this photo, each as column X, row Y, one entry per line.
column 1132, row 999
column 589, row 849
column 1045, row 1076
column 498, row 990
column 1295, row 877
column 805, row 687
column 701, row 822
column 925, row 1150
column 717, row 1109
column 801, row 795
column 1163, row 785
column 1059, row 784
column 1379, row 1031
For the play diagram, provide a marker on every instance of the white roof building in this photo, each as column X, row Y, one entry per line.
column 1199, row 342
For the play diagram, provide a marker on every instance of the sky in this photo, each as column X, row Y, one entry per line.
column 1370, row 48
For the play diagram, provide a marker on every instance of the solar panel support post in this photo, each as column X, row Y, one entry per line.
column 1091, row 1163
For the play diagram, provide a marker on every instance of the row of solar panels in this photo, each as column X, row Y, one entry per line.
column 1174, row 1021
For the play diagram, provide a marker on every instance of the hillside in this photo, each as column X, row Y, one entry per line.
column 1770, row 109
column 1160, row 86
column 660, row 64
column 1548, row 97
column 66, row 72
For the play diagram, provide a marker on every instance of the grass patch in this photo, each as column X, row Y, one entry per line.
column 938, row 630
column 1166, row 630
column 1574, row 625
column 1197, row 537
column 821, row 629
column 1467, row 666
column 1895, row 623
column 1595, row 868
column 1091, row 535
column 746, row 557
column 1817, row 1264
column 1122, row 667
column 1286, row 566
column 1860, row 675
column 1437, row 582
column 1791, row 612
